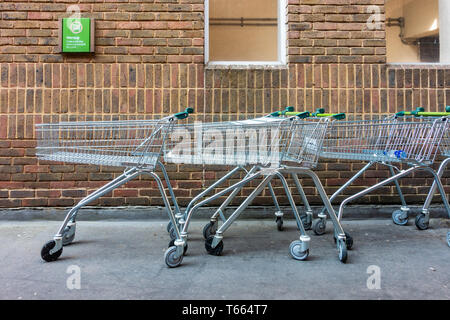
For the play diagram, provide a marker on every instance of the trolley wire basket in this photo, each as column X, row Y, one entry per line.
column 258, row 141
column 410, row 140
column 445, row 143
column 263, row 141
column 306, row 141
column 131, row 143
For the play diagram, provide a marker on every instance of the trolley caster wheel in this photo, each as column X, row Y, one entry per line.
column 169, row 226
column 348, row 240
column 319, row 226
column 45, row 252
column 172, row 233
column 279, row 222
column 398, row 218
column 342, row 248
column 421, row 224
column 68, row 235
column 172, row 243
column 209, row 230
column 295, row 249
column 217, row 251
column 448, row 238
column 170, row 257
column 306, row 224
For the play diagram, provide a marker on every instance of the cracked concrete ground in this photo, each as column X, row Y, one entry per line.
column 121, row 259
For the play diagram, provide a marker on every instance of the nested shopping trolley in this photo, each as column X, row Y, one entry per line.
column 394, row 140
column 268, row 145
column 241, row 168
column 422, row 219
column 135, row 145
column 211, row 227
column 220, row 212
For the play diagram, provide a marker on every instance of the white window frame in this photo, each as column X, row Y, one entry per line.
column 282, row 56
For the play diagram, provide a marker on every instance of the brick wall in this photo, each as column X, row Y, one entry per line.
column 149, row 62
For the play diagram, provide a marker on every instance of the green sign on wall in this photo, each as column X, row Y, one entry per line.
column 76, row 35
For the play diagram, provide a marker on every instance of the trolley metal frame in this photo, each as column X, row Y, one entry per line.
column 429, row 135
column 300, row 248
column 133, row 144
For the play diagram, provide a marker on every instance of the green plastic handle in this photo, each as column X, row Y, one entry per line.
column 275, row 114
column 279, row 113
column 339, row 116
column 319, row 111
column 289, row 109
column 303, row 115
column 410, row 113
column 184, row 114
column 416, row 112
column 423, row 114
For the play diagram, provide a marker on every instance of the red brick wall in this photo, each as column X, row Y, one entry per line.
column 149, row 62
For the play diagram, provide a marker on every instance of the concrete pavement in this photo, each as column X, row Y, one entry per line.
column 119, row 259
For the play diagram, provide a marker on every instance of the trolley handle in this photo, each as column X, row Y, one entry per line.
column 184, row 114
column 420, row 112
column 282, row 113
column 306, row 114
column 339, row 116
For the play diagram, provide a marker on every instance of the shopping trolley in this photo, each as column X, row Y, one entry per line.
column 281, row 141
column 133, row 144
column 395, row 140
column 181, row 216
column 422, row 219
column 318, row 225
column 210, row 228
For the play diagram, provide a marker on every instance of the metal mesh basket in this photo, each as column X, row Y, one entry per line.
column 258, row 141
column 132, row 143
column 263, row 141
column 445, row 143
column 306, row 141
column 411, row 140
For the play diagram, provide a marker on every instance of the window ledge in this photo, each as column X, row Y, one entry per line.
column 416, row 65
column 230, row 65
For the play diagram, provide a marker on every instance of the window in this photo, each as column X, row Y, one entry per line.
column 250, row 32
column 413, row 31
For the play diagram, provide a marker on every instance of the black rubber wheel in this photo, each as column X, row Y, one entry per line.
column 209, row 230
column 172, row 233
column 279, row 222
column 319, row 226
column 307, row 222
column 398, row 219
column 169, row 258
column 348, row 240
column 169, row 226
column 217, row 251
column 342, row 247
column 172, row 243
column 45, row 252
column 421, row 224
column 295, row 251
